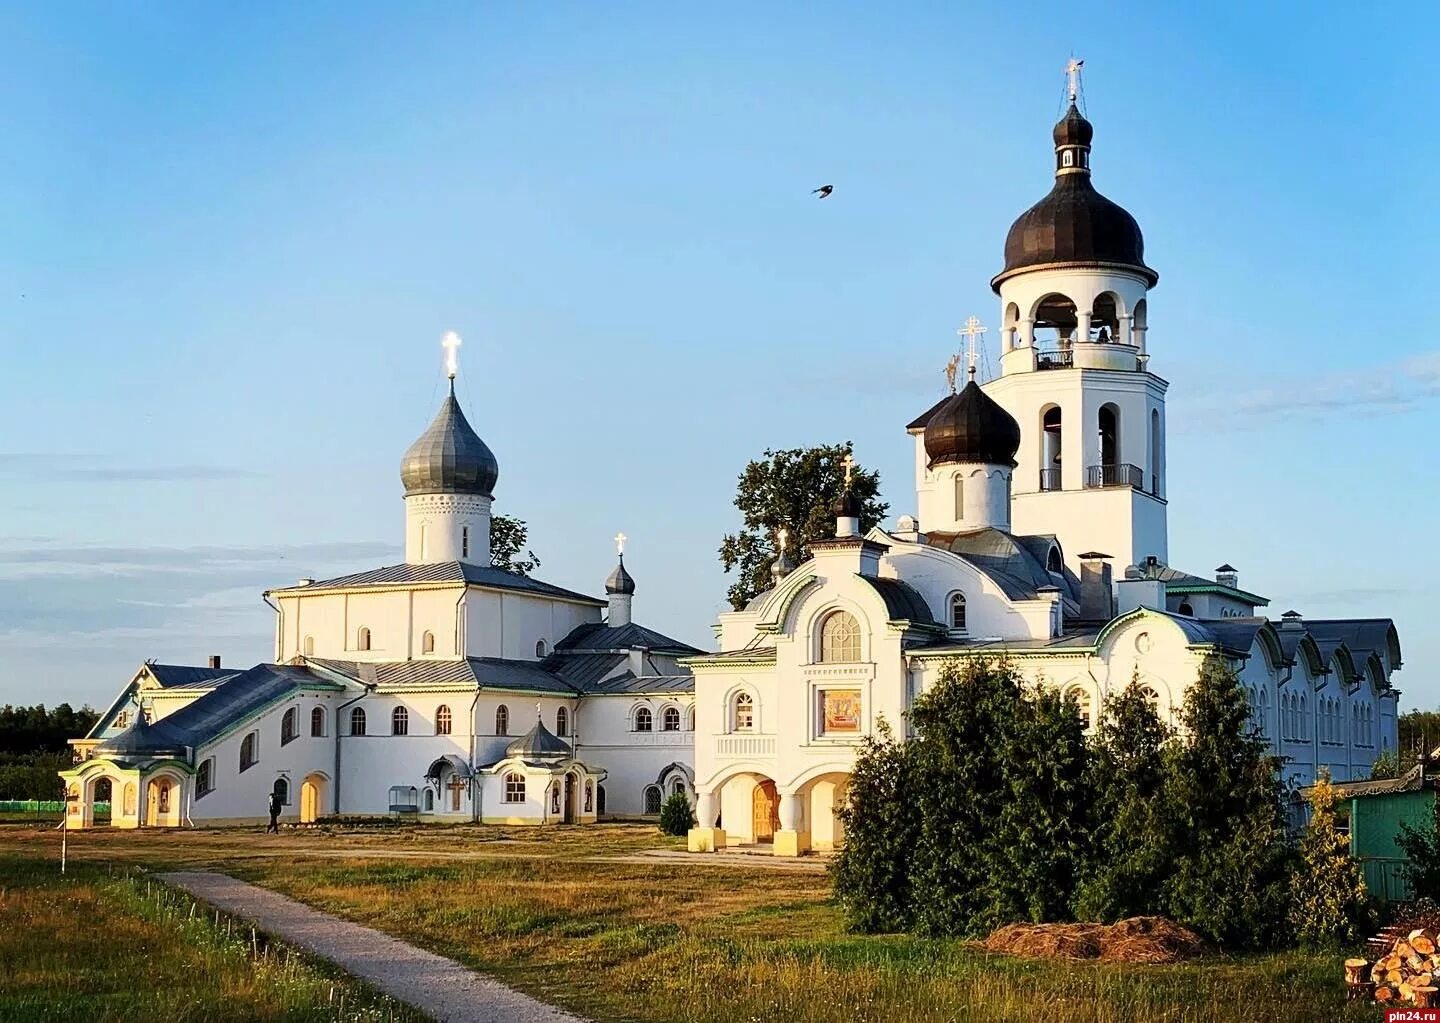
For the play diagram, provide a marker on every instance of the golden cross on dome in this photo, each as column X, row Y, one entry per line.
column 784, row 536
column 620, row 539
column 971, row 332
column 450, row 342
column 849, row 462
column 1072, row 76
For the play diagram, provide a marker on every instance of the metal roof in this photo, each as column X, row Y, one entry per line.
column 1007, row 559
column 1179, row 582
column 902, row 601
column 599, row 636
column 184, row 676
column 753, row 653
column 540, row 743
column 582, row 670
column 449, row 457
column 471, row 673
column 1361, row 635
column 632, row 684
column 444, row 572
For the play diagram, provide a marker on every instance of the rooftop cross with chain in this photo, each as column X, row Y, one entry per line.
column 971, row 332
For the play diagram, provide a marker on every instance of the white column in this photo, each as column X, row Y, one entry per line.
column 1139, row 333
column 1027, row 332
column 705, row 809
column 789, row 811
column 1082, row 333
column 1125, row 336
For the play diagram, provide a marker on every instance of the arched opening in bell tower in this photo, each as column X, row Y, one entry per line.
column 1105, row 318
column 1109, row 434
column 1011, row 337
column 1155, row 452
column 1055, row 323
column 1050, row 448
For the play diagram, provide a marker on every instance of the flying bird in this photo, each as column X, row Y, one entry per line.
column 823, row 191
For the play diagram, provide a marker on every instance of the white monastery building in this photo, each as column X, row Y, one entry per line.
column 452, row 689
column 445, row 688
column 1040, row 535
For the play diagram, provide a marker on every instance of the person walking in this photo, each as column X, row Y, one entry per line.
column 274, row 824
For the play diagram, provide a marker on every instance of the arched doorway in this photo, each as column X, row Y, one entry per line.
column 765, row 812
column 162, row 802
column 571, row 790
column 312, row 798
column 103, row 806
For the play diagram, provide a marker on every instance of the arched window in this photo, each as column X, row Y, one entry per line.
column 282, row 790
column 555, row 798
column 502, row 720
column 317, row 721
column 1304, row 719
column 429, row 799
column 744, row 717
column 957, row 612
column 1109, row 422
column 205, row 778
column 289, row 725
column 514, row 787
column 1105, row 317
column 589, row 797
column 541, row 649
column 1050, row 438
column 1186, row 609
column 599, row 799
column 427, row 642
column 442, row 720
column 122, row 720
column 1155, row 452
column 840, row 638
column 690, row 718
column 464, row 541
column 562, row 721
column 424, row 541
column 357, row 721
column 652, row 799
column 1053, row 563
column 399, row 721
column 670, row 719
column 959, row 496
column 309, row 646
column 1082, row 703
column 249, row 751
column 644, row 720
column 362, row 638
column 677, row 787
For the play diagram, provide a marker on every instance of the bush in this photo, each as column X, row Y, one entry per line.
column 871, row 875
column 1329, row 905
column 1421, row 847
column 676, row 817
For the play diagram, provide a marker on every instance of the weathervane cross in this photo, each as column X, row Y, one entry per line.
column 451, row 342
column 951, row 368
column 971, row 332
column 620, row 539
column 1072, row 76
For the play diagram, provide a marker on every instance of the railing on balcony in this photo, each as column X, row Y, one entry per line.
column 1120, row 475
column 1054, row 359
column 1050, row 478
column 739, row 745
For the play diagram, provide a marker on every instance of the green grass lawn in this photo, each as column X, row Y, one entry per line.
column 100, row 948
column 578, row 916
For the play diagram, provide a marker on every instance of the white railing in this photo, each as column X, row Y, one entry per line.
column 745, row 746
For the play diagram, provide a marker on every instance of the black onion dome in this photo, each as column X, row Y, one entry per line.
column 1074, row 225
column 619, row 580
column 1073, row 129
column 846, row 506
column 538, row 743
column 972, row 427
column 449, row 458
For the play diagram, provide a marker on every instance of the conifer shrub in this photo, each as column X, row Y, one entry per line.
column 871, row 874
column 676, row 815
column 1329, row 905
column 1421, row 847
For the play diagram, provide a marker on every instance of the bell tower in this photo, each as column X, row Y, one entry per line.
column 1075, row 367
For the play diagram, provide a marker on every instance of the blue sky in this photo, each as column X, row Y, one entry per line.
column 231, row 237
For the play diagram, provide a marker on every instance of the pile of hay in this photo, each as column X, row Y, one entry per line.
column 1141, row 939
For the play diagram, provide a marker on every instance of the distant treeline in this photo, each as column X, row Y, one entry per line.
column 33, row 747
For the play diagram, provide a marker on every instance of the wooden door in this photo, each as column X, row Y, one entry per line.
column 766, row 805
column 309, row 798
column 569, row 799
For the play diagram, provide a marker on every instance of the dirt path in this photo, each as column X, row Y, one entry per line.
column 431, row 983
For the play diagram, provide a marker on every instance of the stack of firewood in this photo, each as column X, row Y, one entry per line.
column 1407, row 974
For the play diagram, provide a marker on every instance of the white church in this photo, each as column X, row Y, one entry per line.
column 450, row 689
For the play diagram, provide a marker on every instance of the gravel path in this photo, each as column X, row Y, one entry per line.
column 433, row 984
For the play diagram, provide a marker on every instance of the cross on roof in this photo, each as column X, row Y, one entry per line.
column 971, row 332
column 450, row 342
column 1072, row 76
column 620, row 539
column 849, row 462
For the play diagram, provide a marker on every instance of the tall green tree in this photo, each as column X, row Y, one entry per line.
column 508, row 537
column 1132, row 852
column 1421, row 847
column 1225, row 807
column 792, row 489
column 871, row 874
column 1329, row 906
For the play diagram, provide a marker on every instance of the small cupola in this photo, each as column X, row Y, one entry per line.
column 846, row 507
column 619, row 588
column 449, row 457
column 539, row 744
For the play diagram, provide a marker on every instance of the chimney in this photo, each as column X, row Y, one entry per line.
column 1292, row 620
column 1226, row 575
column 1097, row 593
column 214, row 660
column 306, row 581
column 1141, row 587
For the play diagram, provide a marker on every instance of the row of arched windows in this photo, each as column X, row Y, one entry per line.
column 363, row 641
column 653, row 795
column 643, row 720
column 399, row 720
column 1293, row 717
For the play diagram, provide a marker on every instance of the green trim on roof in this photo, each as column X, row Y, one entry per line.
column 1216, row 588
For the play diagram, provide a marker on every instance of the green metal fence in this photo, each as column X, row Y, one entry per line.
column 42, row 806
column 1383, row 878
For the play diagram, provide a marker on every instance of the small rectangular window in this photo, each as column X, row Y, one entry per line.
column 1067, row 158
column 959, row 497
column 464, row 541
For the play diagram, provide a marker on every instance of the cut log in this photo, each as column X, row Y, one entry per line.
column 1422, row 980
column 1406, row 993
column 1402, row 949
column 1355, row 970
column 1422, row 941
column 1425, row 997
column 1384, row 994
column 1394, row 977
